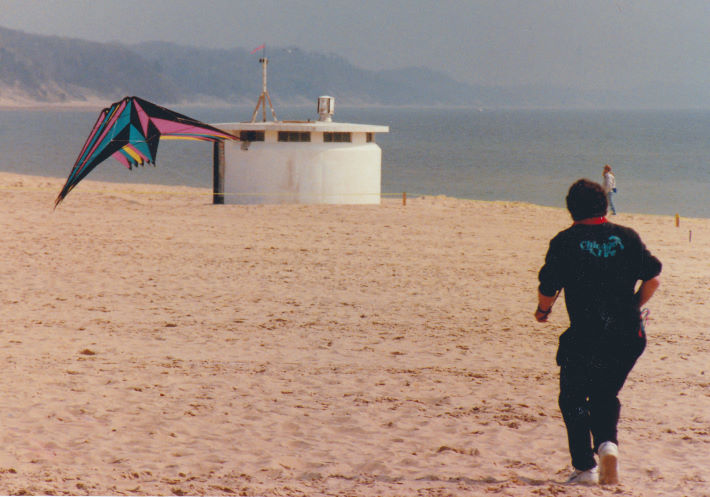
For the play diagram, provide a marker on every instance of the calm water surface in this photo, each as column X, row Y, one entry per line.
column 660, row 158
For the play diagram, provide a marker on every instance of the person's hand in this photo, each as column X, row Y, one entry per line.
column 541, row 314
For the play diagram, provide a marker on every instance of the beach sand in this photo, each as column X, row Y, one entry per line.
column 154, row 343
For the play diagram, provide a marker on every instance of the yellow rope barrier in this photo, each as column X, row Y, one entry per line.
column 195, row 191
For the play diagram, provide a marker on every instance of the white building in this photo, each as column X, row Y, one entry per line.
column 314, row 162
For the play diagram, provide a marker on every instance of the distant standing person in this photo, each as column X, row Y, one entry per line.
column 597, row 264
column 609, row 186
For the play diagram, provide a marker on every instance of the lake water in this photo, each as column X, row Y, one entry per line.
column 661, row 159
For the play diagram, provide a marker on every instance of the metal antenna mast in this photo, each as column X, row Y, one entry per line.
column 264, row 95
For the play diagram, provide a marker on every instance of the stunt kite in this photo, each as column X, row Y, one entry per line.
column 129, row 131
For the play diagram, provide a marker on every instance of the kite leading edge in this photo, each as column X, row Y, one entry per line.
column 129, row 130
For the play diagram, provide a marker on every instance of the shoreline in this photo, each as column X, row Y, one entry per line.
column 127, row 187
column 100, row 103
column 22, row 104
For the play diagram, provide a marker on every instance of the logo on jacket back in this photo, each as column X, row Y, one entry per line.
column 606, row 249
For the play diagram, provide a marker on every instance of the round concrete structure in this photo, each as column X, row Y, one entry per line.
column 321, row 162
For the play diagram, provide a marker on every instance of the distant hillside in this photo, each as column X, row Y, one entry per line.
column 296, row 75
column 45, row 69
column 52, row 69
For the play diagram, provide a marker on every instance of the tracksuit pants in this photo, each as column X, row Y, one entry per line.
column 589, row 401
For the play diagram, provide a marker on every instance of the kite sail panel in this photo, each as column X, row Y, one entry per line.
column 129, row 131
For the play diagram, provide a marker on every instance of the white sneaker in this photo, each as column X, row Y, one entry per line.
column 609, row 463
column 588, row 477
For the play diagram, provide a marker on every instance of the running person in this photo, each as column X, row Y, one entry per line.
column 597, row 264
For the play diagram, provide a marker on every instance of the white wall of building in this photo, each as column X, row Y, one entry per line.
column 272, row 172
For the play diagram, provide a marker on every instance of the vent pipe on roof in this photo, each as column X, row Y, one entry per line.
column 326, row 108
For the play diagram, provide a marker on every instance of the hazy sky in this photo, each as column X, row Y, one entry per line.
column 613, row 44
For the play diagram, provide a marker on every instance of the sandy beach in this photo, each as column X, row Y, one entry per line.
column 154, row 343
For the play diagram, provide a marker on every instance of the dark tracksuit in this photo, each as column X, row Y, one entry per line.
column 598, row 264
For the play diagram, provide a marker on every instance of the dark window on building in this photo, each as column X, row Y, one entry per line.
column 370, row 137
column 251, row 136
column 329, row 137
column 294, row 136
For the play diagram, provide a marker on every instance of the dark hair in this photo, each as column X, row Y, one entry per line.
column 586, row 199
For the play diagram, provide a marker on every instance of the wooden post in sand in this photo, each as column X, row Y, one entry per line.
column 218, row 172
column 404, row 198
column 677, row 220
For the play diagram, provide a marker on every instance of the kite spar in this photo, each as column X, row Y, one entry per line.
column 129, row 130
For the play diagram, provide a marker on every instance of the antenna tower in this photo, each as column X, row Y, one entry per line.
column 264, row 95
